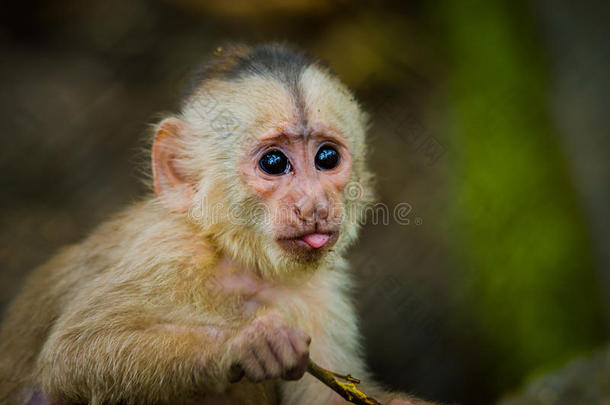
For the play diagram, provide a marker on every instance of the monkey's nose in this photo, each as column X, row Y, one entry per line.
column 310, row 210
column 321, row 210
column 304, row 208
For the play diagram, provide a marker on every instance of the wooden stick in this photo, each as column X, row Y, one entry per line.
column 346, row 389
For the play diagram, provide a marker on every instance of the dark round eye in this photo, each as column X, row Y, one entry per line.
column 327, row 158
column 275, row 162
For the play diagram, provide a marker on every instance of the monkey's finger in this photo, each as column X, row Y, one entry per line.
column 283, row 350
column 267, row 359
column 253, row 370
column 301, row 335
column 300, row 342
column 294, row 373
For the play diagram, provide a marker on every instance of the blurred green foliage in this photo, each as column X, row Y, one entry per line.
column 528, row 269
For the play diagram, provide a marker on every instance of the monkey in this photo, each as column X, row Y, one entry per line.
column 219, row 286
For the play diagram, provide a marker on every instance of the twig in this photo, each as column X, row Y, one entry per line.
column 347, row 390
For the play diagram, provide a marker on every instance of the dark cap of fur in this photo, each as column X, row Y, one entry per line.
column 278, row 61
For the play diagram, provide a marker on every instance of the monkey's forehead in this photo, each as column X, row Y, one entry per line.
column 257, row 104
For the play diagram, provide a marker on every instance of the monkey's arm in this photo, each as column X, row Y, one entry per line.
column 124, row 355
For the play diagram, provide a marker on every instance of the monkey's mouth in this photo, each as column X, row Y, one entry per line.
column 316, row 240
column 311, row 243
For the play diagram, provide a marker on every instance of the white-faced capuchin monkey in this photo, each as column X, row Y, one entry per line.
column 221, row 286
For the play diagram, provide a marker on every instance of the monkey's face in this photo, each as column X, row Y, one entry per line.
column 299, row 173
column 290, row 149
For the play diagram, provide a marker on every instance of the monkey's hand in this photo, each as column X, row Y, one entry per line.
column 269, row 348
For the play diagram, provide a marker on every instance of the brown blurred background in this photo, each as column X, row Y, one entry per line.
column 489, row 123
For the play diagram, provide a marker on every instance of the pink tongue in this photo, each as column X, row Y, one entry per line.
column 316, row 240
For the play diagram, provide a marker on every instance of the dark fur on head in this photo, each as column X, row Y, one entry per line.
column 280, row 61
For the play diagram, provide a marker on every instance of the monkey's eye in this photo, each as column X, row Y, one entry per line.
column 327, row 158
column 275, row 162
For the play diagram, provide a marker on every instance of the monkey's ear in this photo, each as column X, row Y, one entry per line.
column 172, row 182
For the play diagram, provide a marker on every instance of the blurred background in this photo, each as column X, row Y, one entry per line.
column 489, row 123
